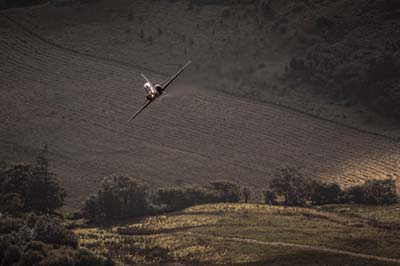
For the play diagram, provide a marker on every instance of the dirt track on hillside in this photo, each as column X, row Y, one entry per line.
column 79, row 106
column 304, row 247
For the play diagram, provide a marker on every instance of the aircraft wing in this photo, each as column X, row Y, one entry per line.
column 139, row 111
column 170, row 80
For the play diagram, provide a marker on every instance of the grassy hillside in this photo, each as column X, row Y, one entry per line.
column 246, row 234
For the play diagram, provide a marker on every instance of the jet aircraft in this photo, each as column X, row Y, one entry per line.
column 155, row 91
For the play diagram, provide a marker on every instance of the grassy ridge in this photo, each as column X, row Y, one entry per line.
column 203, row 235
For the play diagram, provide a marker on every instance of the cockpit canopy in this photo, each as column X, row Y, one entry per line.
column 147, row 87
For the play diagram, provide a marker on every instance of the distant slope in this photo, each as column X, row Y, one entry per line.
column 79, row 107
column 343, row 44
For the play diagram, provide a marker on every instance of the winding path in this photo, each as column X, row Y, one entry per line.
column 300, row 246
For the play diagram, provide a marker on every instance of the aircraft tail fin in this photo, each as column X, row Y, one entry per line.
column 145, row 78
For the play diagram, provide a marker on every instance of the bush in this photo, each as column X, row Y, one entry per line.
column 118, row 197
column 51, row 230
column 43, row 241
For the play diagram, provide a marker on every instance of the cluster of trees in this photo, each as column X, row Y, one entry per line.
column 181, row 197
column 335, row 62
column 372, row 78
column 30, row 187
column 31, row 232
column 294, row 189
column 121, row 197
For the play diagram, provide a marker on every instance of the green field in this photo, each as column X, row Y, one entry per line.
column 246, row 234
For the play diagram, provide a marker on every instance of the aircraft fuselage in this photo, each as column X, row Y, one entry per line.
column 153, row 92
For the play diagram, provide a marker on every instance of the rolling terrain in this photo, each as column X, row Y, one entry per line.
column 76, row 101
column 245, row 234
column 264, row 36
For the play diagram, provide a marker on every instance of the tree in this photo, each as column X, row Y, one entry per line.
column 246, row 192
column 270, row 197
column 291, row 185
column 118, row 197
column 46, row 194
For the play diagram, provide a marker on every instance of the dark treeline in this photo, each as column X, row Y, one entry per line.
column 351, row 67
column 121, row 197
column 289, row 187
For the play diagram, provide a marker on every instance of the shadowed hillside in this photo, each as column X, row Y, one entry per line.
column 79, row 105
column 338, row 60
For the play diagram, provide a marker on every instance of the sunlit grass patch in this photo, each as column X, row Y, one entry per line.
column 180, row 221
column 203, row 235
